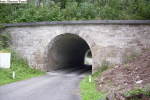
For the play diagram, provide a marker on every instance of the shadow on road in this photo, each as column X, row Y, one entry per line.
column 80, row 71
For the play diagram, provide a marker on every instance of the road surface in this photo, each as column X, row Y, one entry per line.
column 56, row 85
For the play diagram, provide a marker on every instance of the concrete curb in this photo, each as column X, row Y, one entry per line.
column 94, row 22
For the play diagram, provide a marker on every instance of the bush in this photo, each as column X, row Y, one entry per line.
column 5, row 40
column 71, row 12
column 75, row 10
column 87, row 11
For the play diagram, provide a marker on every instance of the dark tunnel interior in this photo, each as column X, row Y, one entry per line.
column 66, row 50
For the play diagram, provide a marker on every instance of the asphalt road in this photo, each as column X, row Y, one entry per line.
column 56, row 85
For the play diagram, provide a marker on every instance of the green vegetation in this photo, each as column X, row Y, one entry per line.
column 18, row 64
column 60, row 10
column 144, row 91
column 5, row 40
column 89, row 89
column 130, row 57
column 21, row 68
column 145, row 49
column 89, row 55
column 86, row 62
column 106, row 65
column 126, row 65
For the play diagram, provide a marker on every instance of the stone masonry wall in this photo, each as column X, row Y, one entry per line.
column 111, row 42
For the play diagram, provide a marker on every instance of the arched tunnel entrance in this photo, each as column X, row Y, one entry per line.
column 66, row 51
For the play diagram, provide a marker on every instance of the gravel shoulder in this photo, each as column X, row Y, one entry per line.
column 126, row 77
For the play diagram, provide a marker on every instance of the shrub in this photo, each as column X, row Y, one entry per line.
column 5, row 40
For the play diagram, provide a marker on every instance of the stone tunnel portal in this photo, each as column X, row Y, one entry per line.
column 66, row 50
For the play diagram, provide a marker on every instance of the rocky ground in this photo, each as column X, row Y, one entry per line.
column 126, row 77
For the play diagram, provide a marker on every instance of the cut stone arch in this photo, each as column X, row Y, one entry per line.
column 65, row 50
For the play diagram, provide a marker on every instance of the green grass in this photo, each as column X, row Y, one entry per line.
column 89, row 89
column 137, row 90
column 145, row 49
column 21, row 68
column 126, row 65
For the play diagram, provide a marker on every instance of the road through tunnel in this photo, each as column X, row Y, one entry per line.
column 66, row 50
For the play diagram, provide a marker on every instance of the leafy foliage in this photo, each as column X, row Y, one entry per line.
column 5, row 40
column 60, row 10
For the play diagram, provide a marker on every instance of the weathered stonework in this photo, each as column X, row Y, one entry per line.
column 110, row 41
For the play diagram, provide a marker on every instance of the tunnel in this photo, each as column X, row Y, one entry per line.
column 66, row 50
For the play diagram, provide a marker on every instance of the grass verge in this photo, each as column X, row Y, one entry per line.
column 21, row 68
column 89, row 89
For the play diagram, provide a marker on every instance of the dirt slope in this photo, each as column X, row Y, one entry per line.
column 126, row 77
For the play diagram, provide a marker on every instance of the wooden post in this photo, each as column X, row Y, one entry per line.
column 13, row 74
column 90, row 78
